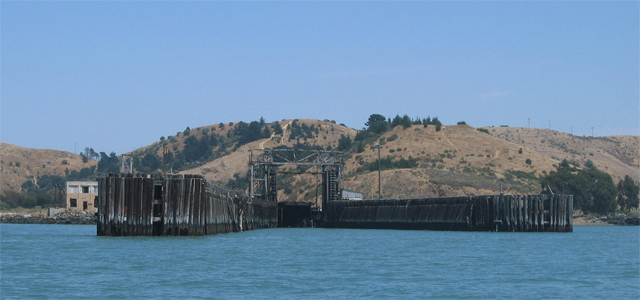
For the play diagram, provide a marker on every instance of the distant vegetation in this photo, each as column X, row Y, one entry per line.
column 40, row 190
column 592, row 189
column 389, row 163
column 202, row 147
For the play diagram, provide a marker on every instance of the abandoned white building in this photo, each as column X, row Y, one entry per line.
column 82, row 195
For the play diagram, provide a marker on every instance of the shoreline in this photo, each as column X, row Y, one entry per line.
column 77, row 217
column 606, row 220
column 69, row 217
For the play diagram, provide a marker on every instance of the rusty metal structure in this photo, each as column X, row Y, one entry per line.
column 264, row 165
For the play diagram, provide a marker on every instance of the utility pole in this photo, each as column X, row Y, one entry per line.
column 529, row 122
column 379, row 185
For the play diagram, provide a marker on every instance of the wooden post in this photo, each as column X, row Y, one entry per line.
column 525, row 203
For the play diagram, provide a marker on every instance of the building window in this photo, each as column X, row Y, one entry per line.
column 73, row 189
column 73, row 202
column 95, row 202
column 85, row 189
column 95, row 189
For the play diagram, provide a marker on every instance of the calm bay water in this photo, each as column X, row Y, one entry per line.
column 58, row 261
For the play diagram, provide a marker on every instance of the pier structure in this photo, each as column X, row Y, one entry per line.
column 160, row 205
column 505, row 213
column 165, row 205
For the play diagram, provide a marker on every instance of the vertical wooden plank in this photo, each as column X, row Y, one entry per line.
column 497, row 214
column 137, row 214
column 512, row 213
column 128, row 196
column 166, row 205
column 570, row 208
column 184, row 214
column 562, row 215
column 530, row 212
column 556, row 215
column 507, row 212
column 512, row 223
column 145, row 205
column 147, row 200
column 191, row 206
column 519, row 208
column 551, row 213
column 199, row 207
column 141, row 205
column 132, row 203
column 111, row 208
column 120, row 206
column 173, row 206
column 542, row 212
column 525, row 210
column 133, row 217
column 534, row 212
column 101, row 193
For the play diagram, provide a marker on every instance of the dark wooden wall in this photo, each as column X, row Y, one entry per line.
column 146, row 205
column 476, row 213
column 162, row 205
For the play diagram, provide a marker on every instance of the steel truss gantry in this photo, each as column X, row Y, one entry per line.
column 264, row 165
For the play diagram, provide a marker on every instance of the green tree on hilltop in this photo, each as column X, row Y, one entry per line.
column 108, row 163
column 376, row 124
column 277, row 128
column 406, row 122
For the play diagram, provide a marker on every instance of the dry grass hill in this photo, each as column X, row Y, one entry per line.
column 616, row 155
column 237, row 162
column 19, row 164
column 458, row 160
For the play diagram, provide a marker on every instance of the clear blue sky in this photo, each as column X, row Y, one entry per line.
column 115, row 76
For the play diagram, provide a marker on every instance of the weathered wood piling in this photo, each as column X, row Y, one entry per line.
column 157, row 205
column 521, row 213
column 168, row 205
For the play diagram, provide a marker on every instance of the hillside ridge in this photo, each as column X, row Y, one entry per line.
column 457, row 160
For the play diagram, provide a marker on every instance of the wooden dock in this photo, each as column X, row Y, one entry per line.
column 170, row 205
column 161, row 205
column 521, row 213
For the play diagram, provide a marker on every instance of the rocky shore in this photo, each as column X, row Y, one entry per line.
column 71, row 217
column 599, row 220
